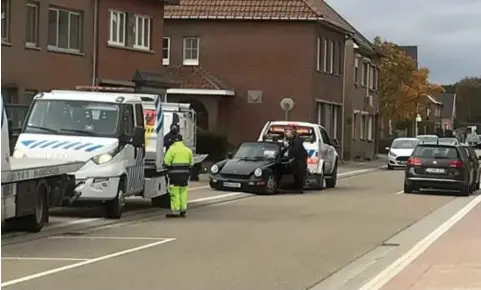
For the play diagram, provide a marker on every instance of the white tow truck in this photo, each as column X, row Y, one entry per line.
column 107, row 129
column 30, row 186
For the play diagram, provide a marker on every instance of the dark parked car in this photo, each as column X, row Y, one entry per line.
column 439, row 166
column 473, row 157
column 254, row 167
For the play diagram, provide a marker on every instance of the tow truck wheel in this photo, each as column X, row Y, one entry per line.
column 35, row 222
column 331, row 182
column 114, row 208
column 320, row 180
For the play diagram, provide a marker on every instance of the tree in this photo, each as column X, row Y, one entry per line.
column 468, row 91
column 403, row 87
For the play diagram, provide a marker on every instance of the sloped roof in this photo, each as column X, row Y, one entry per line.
column 314, row 10
column 187, row 77
column 448, row 100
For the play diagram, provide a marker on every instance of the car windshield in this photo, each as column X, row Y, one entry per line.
column 404, row 144
column 306, row 133
column 436, row 152
column 428, row 139
column 257, row 151
column 451, row 141
column 69, row 117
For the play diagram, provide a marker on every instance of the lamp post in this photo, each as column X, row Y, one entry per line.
column 418, row 120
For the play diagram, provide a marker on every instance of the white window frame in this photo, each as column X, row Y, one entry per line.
column 325, row 56
column 319, row 57
column 356, row 70
column 365, row 74
column 371, row 76
column 370, row 128
column 70, row 13
column 118, row 31
column 191, row 61
column 36, row 6
column 6, row 17
column 354, row 126
column 331, row 56
column 145, row 41
column 166, row 58
column 362, row 131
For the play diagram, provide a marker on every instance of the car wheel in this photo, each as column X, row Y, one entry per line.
column 477, row 186
column 464, row 190
column 331, row 182
column 271, row 185
column 390, row 167
column 408, row 187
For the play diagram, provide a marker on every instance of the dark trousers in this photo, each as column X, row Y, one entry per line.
column 299, row 170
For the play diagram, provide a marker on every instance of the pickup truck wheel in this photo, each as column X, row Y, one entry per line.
column 331, row 182
column 35, row 222
column 114, row 208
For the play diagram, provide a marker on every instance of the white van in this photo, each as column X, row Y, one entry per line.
column 323, row 159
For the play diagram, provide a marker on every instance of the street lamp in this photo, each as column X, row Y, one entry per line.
column 418, row 120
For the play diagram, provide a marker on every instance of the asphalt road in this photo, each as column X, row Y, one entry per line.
column 241, row 241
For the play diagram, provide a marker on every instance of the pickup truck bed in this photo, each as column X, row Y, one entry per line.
column 30, row 168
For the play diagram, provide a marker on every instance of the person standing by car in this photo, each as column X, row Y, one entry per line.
column 179, row 161
column 298, row 153
column 169, row 137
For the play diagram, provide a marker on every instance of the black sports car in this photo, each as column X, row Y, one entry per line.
column 254, row 167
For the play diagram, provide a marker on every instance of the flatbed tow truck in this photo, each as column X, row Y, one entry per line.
column 31, row 186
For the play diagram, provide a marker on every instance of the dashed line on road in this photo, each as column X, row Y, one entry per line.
column 84, row 263
column 105, row 238
column 42, row 259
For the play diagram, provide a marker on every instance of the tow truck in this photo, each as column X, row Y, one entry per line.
column 31, row 186
column 108, row 129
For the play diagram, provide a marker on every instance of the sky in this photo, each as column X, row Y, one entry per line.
column 447, row 32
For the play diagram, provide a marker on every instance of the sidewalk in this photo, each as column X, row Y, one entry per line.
column 452, row 263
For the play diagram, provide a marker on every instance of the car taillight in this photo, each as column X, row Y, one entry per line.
column 456, row 164
column 414, row 161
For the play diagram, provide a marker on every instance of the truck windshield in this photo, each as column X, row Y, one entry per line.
column 71, row 117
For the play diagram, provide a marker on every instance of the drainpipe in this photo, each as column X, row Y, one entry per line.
column 343, row 100
column 95, row 40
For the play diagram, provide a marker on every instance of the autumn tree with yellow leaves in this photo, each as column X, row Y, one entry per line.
column 403, row 87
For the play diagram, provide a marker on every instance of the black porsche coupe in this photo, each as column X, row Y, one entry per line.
column 255, row 167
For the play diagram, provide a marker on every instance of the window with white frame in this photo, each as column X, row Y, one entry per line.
column 5, row 20
column 31, row 33
column 356, row 70
column 327, row 116
column 319, row 54
column 142, row 32
column 117, row 27
column 325, row 58
column 370, row 127
column 371, row 77
column 191, row 51
column 331, row 56
column 354, row 126
column 64, row 29
column 365, row 74
column 166, row 51
column 339, row 58
column 362, row 127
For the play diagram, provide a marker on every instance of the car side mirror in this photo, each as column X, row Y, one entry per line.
column 387, row 148
column 138, row 137
column 335, row 142
column 230, row 155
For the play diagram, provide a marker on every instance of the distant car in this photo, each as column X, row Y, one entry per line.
column 399, row 152
column 428, row 138
column 449, row 140
column 473, row 157
column 472, row 139
column 254, row 167
column 439, row 166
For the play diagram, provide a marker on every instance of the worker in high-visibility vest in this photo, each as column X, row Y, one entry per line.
column 179, row 161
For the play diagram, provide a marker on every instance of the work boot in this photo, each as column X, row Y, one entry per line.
column 172, row 215
column 183, row 214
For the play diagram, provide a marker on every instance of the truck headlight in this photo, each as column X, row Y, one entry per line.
column 102, row 158
column 18, row 154
column 258, row 172
column 214, row 169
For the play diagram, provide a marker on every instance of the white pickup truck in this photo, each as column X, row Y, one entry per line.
column 323, row 159
column 30, row 186
column 118, row 136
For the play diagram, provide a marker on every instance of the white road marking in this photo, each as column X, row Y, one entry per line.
column 400, row 192
column 105, row 238
column 42, row 259
column 214, row 197
column 83, row 263
column 199, row 187
column 402, row 262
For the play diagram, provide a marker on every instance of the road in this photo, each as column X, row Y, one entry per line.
column 321, row 240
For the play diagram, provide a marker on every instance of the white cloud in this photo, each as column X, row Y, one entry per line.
column 447, row 33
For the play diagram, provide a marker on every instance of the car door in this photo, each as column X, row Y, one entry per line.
column 475, row 163
column 131, row 157
column 469, row 163
column 326, row 150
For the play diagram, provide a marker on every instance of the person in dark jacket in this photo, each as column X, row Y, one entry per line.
column 170, row 137
column 298, row 153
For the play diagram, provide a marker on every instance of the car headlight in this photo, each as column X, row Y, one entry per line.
column 214, row 169
column 392, row 154
column 102, row 158
column 258, row 172
column 18, row 154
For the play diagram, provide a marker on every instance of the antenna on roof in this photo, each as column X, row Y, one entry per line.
column 104, row 89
